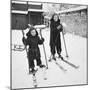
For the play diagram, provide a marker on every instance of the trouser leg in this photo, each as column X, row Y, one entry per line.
column 53, row 50
column 58, row 47
column 38, row 61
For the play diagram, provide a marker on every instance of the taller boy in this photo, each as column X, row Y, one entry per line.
column 55, row 41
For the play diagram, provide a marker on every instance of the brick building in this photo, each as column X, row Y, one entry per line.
column 24, row 13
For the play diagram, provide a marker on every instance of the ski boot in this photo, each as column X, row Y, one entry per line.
column 42, row 66
column 59, row 56
column 32, row 70
column 54, row 58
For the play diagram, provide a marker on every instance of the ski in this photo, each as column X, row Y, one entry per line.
column 35, row 84
column 61, row 67
column 34, row 79
column 69, row 63
column 42, row 70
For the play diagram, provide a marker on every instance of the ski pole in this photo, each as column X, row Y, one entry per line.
column 65, row 44
column 23, row 36
column 44, row 51
column 25, row 48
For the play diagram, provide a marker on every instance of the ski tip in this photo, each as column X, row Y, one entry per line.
column 77, row 67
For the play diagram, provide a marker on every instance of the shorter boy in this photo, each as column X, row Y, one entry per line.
column 32, row 41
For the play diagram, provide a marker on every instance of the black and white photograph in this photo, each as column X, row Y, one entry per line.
column 49, row 44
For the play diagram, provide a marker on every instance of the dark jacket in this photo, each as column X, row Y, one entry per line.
column 54, row 32
column 33, row 42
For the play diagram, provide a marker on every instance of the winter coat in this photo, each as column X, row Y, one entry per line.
column 33, row 42
column 54, row 32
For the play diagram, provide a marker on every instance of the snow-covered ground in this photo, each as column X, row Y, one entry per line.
column 77, row 50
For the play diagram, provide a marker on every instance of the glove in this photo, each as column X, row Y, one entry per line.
column 59, row 27
column 42, row 39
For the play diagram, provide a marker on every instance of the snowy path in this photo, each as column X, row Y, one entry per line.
column 77, row 50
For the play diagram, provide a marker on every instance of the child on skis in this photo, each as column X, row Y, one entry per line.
column 32, row 41
column 55, row 41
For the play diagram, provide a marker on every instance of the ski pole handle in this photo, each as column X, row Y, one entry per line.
column 65, row 44
column 23, row 33
column 40, row 33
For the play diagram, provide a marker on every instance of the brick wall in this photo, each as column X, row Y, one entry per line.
column 76, row 22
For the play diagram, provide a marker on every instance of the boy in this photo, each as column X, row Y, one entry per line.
column 32, row 41
column 55, row 40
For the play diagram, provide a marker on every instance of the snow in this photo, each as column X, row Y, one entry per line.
column 77, row 51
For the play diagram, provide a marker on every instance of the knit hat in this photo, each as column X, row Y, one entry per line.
column 31, row 28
